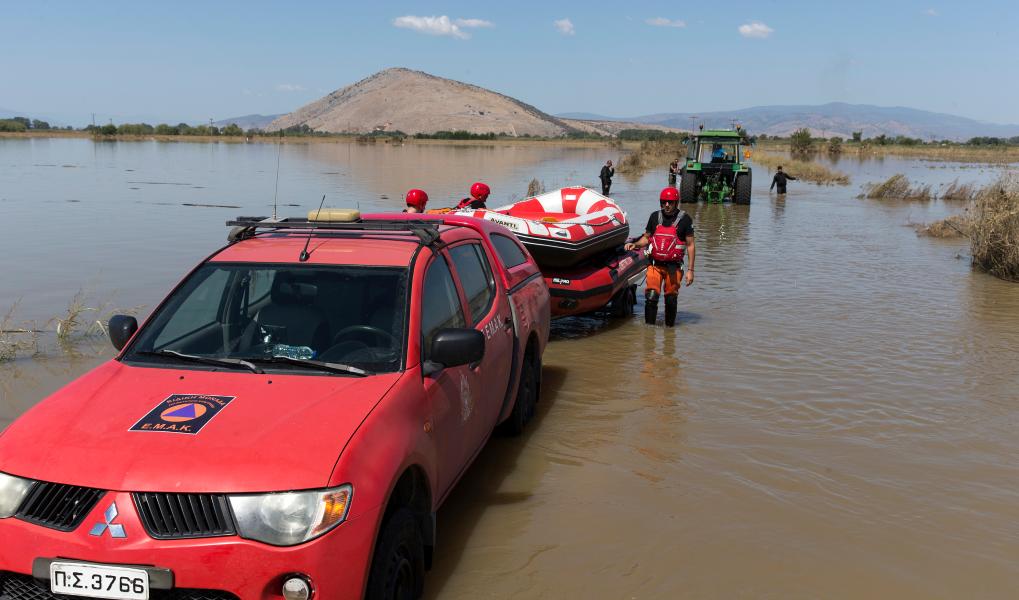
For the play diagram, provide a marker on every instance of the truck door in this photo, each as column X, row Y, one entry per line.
column 488, row 312
column 449, row 391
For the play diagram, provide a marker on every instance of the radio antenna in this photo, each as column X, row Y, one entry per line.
column 304, row 253
column 275, row 193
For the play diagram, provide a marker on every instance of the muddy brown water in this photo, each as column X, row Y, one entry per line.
column 835, row 415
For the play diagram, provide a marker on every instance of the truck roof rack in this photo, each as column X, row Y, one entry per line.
column 426, row 231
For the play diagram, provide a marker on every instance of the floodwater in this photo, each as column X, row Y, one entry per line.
column 835, row 415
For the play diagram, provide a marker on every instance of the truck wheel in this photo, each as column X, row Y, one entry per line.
column 398, row 566
column 527, row 396
column 742, row 194
column 688, row 188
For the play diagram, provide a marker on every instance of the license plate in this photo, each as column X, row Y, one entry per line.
column 98, row 581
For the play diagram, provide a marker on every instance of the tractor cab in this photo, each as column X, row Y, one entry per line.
column 715, row 170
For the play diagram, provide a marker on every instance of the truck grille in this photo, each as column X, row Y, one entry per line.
column 14, row 586
column 177, row 516
column 58, row 506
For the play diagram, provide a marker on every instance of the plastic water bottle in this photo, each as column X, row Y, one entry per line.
column 298, row 352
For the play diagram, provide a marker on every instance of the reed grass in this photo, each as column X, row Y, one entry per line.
column 650, row 155
column 955, row 226
column 898, row 187
column 535, row 188
column 15, row 339
column 994, row 234
column 956, row 192
column 806, row 170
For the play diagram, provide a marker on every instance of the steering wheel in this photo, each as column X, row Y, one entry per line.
column 368, row 329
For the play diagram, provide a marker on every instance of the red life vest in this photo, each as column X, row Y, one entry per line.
column 666, row 245
column 471, row 203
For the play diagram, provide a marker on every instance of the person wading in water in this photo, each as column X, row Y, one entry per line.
column 606, row 177
column 780, row 179
column 670, row 234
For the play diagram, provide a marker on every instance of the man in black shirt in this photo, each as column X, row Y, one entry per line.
column 670, row 234
column 606, row 177
column 780, row 179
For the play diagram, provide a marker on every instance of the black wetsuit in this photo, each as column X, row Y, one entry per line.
column 779, row 180
column 606, row 179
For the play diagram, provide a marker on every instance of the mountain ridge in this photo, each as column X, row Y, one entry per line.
column 833, row 118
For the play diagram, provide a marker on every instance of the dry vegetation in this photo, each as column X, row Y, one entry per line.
column 951, row 227
column 897, row 187
column 535, row 188
column 650, row 155
column 994, row 229
column 16, row 339
column 801, row 169
column 936, row 152
column 79, row 322
column 956, row 192
column 991, row 222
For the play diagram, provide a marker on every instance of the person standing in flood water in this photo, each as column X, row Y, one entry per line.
column 780, row 179
column 670, row 234
column 673, row 172
column 606, row 177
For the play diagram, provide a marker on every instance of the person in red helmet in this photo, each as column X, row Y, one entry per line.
column 416, row 201
column 479, row 194
column 670, row 234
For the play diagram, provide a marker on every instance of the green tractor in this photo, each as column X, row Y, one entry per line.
column 715, row 170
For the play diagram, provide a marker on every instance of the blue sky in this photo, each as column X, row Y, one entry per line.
column 173, row 61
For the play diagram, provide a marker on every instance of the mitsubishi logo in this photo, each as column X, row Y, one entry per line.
column 116, row 529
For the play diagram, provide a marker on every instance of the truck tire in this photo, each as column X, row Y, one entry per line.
column 688, row 188
column 527, row 396
column 742, row 193
column 398, row 565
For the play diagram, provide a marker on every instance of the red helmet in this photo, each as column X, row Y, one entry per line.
column 480, row 191
column 669, row 194
column 417, row 198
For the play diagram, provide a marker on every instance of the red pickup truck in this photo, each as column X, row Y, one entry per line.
column 286, row 422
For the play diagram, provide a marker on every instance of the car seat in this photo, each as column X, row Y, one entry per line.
column 291, row 317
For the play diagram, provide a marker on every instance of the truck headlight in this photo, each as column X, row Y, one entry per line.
column 290, row 518
column 12, row 492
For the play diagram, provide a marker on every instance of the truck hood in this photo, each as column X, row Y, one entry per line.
column 130, row 428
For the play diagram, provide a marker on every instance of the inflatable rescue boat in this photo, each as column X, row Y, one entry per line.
column 607, row 279
column 562, row 228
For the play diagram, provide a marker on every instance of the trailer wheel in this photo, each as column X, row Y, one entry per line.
column 742, row 194
column 622, row 303
column 688, row 188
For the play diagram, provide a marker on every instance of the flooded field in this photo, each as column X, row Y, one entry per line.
column 834, row 416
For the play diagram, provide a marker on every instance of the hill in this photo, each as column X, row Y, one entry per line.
column 837, row 118
column 415, row 102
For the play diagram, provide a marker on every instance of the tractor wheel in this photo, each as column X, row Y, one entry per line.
column 688, row 188
column 742, row 193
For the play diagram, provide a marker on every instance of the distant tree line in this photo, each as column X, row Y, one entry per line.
column 801, row 140
column 652, row 135
column 26, row 124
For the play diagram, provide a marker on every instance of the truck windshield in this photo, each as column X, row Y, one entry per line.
column 341, row 315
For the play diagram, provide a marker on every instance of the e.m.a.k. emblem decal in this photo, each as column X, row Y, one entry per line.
column 182, row 413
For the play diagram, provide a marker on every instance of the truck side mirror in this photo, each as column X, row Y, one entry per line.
column 122, row 327
column 454, row 347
